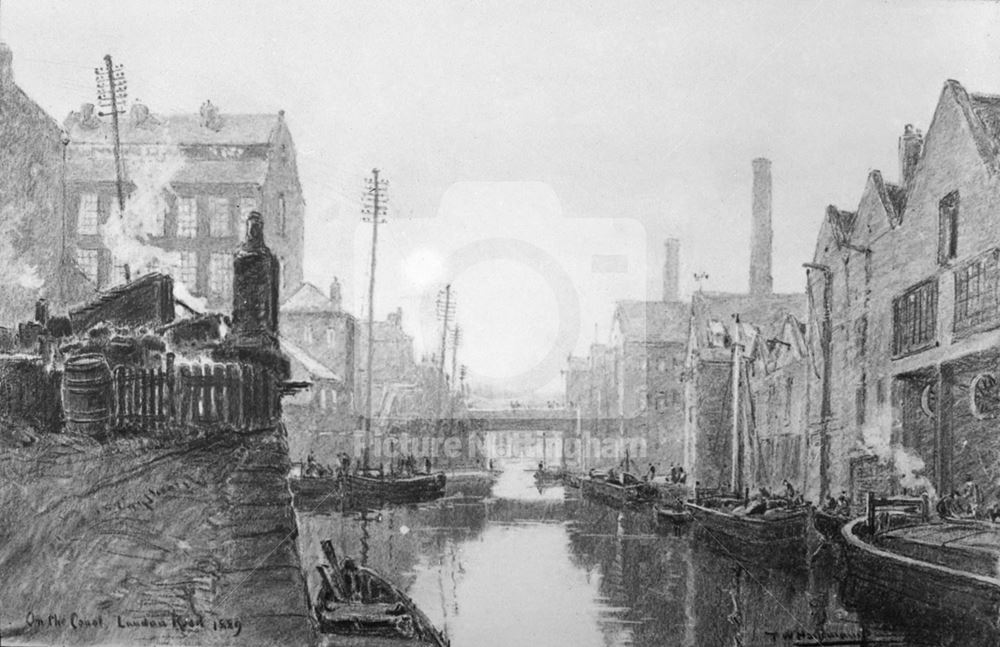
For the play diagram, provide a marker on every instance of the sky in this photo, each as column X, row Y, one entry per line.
column 538, row 154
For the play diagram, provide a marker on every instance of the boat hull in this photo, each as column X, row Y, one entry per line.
column 778, row 541
column 414, row 489
column 932, row 585
column 617, row 495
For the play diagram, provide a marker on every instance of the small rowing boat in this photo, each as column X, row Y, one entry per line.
column 357, row 601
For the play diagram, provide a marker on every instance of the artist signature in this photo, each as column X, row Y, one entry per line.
column 175, row 622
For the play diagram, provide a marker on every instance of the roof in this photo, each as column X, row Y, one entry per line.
column 653, row 321
column 314, row 367
column 308, row 299
column 982, row 114
column 236, row 129
column 190, row 172
column 768, row 312
column 842, row 223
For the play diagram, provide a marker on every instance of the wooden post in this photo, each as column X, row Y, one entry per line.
column 143, row 380
column 171, row 411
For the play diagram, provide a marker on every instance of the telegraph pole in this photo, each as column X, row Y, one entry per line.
column 374, row 208
column 456, row 339
column 445, row 309
column 112, row 90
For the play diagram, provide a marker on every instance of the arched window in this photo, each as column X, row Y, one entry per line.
column 983, row 396
column 928, row 400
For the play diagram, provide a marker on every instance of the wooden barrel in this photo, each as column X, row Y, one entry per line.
column 86, row 394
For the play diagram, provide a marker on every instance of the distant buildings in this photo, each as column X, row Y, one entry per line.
column 196, row 177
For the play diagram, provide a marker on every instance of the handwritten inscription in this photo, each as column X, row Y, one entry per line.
column 149, row 497
column 175, row 622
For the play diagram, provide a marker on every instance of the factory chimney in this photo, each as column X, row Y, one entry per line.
column 671, row 271
column 761, row 281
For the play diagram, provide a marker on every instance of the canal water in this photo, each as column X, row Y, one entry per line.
column 543, row 567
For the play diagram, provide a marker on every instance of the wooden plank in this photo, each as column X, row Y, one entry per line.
column 185, row 396
column 233, row 394
column 171, row 405
column 219, row 391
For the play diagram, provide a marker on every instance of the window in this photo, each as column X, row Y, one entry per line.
column 789, row 389
column 948, row 227
column 331, row 337
column 983, row 396
column 282, row 215
column 928, row 400
column 976, row 286
column 661, row 365
column 187, row 217
column 219, row 221
column 860, row 336
column 860, row 404
column 307, row 335
column 914, row 318
column 188, row 270
column 661, row 401
column 89, row 261
column 220, row 278
column 89, row 215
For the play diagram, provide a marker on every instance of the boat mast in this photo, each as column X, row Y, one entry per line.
column 736, row 477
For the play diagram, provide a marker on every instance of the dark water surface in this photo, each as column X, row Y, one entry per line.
column 546, row 568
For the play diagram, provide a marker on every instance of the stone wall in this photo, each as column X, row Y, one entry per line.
column 142, row 541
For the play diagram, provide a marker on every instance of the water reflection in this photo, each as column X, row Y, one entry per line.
column 546, row 568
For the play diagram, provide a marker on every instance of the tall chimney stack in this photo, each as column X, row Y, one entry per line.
column 911, row 145
column 761, row 281
column 671, row 271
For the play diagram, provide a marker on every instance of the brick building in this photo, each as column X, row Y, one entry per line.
column 847, row 391
column 191, row 180
column 648, row 342
column 632, row 386
column 31, row 207
column 708, row 364
column 392, row 361
column 316, row 323
column 930, row 355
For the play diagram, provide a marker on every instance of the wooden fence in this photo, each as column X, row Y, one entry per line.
column 201, row 395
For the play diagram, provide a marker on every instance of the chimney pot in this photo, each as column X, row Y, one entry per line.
column 911, row 146
column 335, row 293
